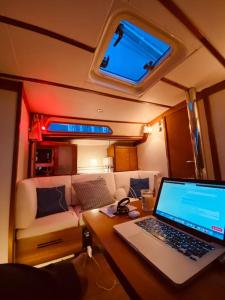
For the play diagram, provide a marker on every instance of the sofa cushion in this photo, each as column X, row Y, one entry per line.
column 50, row 201
column 136, row 185
column 108, row 177
column 48, row 224
column 93, row 193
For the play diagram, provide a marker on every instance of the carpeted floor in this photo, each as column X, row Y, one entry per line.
column 99, row 280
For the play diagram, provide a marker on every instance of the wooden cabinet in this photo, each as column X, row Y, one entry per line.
column 124, row 157
column 52, row 158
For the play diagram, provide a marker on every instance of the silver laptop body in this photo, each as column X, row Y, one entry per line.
column 196, row 211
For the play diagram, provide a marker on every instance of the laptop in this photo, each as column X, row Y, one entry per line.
column 185, row 233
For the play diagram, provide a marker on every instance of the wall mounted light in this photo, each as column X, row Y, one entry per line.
column 148, row 128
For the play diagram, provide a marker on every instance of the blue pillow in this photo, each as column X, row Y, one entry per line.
column 50, row 201
column 136, row 185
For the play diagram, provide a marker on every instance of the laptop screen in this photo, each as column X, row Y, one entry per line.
column 197, row 205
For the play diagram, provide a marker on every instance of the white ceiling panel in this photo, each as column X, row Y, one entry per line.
column 41, row 57
column 65, row 102
column 200, row 70
column 164, row 93
column 82, row 20
column 30, row 54
column 161, row 17
column 208, row 16
column 7, row 55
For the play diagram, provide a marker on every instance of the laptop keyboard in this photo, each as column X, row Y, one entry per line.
column 182, row 242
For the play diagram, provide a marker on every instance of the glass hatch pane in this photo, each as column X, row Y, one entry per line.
column 133, row 53
column 78, row 128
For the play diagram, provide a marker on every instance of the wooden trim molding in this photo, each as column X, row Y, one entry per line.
column 16, row 87
column 66, row 137
column 212, row 140
column 179, row 14
column 80, row 89
column 90, row 119
column 46, row 32
column 219, row 86
column 168, row 112
column 175, row 84
column 143, row 140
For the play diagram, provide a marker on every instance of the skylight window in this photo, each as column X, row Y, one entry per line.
column 79, row 128
column 133, row 53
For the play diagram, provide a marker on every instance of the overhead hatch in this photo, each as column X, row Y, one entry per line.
column 132, row 54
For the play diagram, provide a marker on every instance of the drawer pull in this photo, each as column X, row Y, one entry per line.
column 53, row 242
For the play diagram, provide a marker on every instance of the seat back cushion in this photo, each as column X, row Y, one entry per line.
column 136, row 185
column 108, row 177
column 51, row 201
column 92, row 194
column 152, row 175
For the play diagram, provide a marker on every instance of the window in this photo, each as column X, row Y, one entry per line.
column 79, row 128
column 133, row 53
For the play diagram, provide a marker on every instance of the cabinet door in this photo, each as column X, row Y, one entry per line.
column 125, row 158
column 122, row 161
column 133, row 159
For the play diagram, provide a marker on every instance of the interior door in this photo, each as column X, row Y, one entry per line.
column 179, row 147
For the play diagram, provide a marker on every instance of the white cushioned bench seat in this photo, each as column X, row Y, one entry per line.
column 48, row 224
column 64, row 228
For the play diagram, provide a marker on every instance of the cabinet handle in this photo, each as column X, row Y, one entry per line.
column 190, row 161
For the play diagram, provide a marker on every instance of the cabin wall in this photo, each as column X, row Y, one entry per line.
column 152, row 153
column 23, row 153
column 8, row 111
column 217, row 109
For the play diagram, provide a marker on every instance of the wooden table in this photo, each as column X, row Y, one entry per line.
column 139, row 278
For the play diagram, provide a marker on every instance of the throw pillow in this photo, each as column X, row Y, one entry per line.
column 136, row 185
column 50, row 201
column 93, row 193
